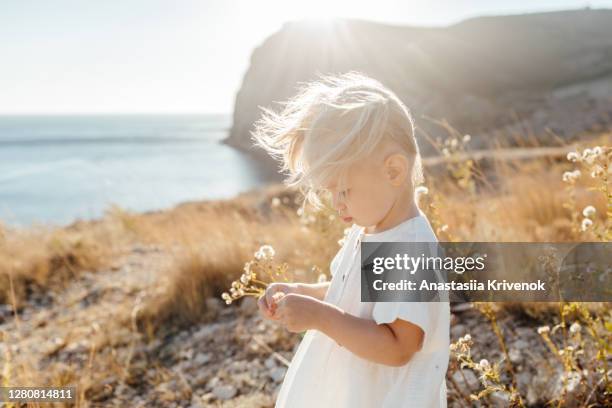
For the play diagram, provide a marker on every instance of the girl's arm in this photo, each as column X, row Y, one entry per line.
column 315, row 290
column 389, row 343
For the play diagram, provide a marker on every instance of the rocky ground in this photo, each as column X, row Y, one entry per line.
column 84, row 335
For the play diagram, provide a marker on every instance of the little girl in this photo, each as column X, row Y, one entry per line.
column 351, row 139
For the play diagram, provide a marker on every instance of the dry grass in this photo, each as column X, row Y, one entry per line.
column 214, row 246
column 40, row 259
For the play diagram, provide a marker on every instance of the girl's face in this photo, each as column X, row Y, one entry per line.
column 368, row 195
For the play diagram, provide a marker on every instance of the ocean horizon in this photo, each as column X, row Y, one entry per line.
column 56, row 169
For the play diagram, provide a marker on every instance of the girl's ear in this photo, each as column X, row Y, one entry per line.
column 396, row 169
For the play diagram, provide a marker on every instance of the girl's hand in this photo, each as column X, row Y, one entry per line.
column 267, row 303
column 297, row 312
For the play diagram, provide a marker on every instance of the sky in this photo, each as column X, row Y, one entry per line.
column 175, row 56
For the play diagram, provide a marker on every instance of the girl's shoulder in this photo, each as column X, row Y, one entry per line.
column 424, row 231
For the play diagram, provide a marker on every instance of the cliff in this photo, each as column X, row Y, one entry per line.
column 544, row 71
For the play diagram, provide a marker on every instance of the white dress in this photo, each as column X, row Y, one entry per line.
column 324, row 374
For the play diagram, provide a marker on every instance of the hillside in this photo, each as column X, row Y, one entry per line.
column 488, row 76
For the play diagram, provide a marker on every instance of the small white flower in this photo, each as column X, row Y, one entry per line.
column 573, row 156
column 588, row 211
column 586, row 152
column 597, row 150
column 265, row 252
column 575, row 328
column 571, row 176
column 454, row 142
column 467, row 138
column 589, row 156
column 226, row 297
column 543, row 329
column 276, row 202
column 445, row 152
column 467, row 337
column 484, row 364
column 586, row 224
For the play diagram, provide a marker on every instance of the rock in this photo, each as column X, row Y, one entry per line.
column 469, row 383
column 521, row 344
column 248, row 305
column 457, row 331
column 278, row 373
column 270, row 363
column 500, row 399
column 186, row 353
column 207, row 397
column 214, row 382
column 224, row 392
column 200, row 379
column 201, row 359
column 213, row 304
column 196, row 402
column 515, row 356
column 205, row 332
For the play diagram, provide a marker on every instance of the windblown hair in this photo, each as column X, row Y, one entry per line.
column 332, row 123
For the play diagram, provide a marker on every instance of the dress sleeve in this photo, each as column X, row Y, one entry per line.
column 423, row 314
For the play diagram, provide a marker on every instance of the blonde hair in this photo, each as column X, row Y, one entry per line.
column 332, row 123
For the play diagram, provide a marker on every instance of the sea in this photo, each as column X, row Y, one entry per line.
column 55, row 170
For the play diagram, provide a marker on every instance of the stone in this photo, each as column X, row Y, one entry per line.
column 469, row 383
column 204, row 332
column 457, row 331
column 196, row 402
column 500, row 399
column 270, row 363
column 224, row 392
column 248, row 305
column 201, row 359
column 278, row 373
column 515, row 356
column 213, row 304
column 213, row 382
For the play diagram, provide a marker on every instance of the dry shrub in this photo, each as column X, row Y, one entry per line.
column 35, row 261
column 211, row 243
